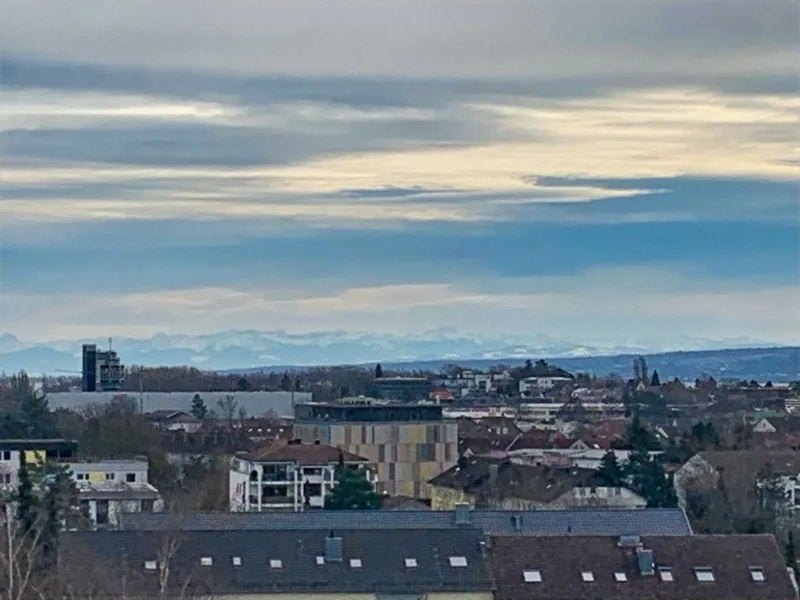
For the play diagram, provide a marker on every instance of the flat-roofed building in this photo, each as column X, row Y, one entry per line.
column 409, row 444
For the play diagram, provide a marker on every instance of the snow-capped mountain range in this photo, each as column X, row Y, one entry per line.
column 247, row 349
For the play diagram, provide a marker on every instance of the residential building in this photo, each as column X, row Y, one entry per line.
column 108, row 488
column 102, row 370
column 740, row 469
column 408, row 444
column 503, row 484
column 530, row 384
column 293, row 476
column 174, row 420
column 32, row 452
column 580, row 522
column 346, row 564
column 403, row 389
column 699, row 567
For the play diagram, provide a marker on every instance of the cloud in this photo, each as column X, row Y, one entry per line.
column 611, row 304
column 415, row 38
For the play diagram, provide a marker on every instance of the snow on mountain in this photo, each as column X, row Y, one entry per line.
column 239, row 349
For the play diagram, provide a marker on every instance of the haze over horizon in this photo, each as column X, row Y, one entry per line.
column 585, row 171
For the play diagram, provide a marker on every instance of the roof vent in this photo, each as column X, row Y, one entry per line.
column 516, row 522
column 646, row 562
column 462, row 515
column 629, row 541
column 333, row 549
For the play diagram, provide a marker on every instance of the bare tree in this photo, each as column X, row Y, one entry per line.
column 228, row 405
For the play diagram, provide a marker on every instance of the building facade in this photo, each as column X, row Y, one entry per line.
column 102, row 370
column 108, row 488
column 408, row 444
column 291, row 477
column 403, row 389
column 32, row 452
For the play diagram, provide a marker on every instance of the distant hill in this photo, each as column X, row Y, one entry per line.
column 779, row 365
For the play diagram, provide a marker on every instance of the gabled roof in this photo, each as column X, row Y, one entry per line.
column 304, row 454
column 538, row 483
column 560, row 562
column 642, row 521
column 382, row 553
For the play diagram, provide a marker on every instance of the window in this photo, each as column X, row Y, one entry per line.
column 206, row 561
column 704, row 573
column 532, row 576
column 5, row 455
column 411, row 563
column 665, row 573
column 102, row 512
column 757, row 574
column 6, row 477
column 237, row 561
column 148, row 506
column 130, row 477
column 587, row 576
column 275, row 563
column 458, row 561
column 620, row 576
column 150, row 565
column 320, row 560
column 110, row 476
column 80, row 476
column 355, row 563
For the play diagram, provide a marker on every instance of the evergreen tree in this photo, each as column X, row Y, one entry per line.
column 286, row 383
column 352, row 491
column 639, row 437
column 378, row 371
column 199, row 408
column 791, row 552
column 610, row 470
column 27, row 502
column 655, row 380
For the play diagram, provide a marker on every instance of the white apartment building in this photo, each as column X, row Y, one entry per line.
column 294, row 477
column 108, row 488
column 530, row 384
column 33, row 452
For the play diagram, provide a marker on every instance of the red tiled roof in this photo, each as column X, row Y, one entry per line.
column 305, row 454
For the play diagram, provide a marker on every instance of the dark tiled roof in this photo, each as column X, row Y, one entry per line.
column 537, row 483
column 560, row 562
column 662, row 521
column 305, row 454
column 753, row 461
column 383, row 554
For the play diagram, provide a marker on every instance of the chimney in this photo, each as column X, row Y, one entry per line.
column 462, row 515
column 646, row 561
column 333, row 548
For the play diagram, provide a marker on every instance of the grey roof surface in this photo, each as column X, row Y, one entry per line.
column 383, row 554
column 647, row 521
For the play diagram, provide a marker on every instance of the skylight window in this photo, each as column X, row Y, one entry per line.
column 458, row 561
column 320, row 560
column 532, row 576
column 355, row 563
column 620, row 576
column 666, row 574
column 587, row 576
column 757, row 574
column 150, row 565
column 237, row 561
column 206, row 561
column 411, row 563
column 275, row 563
column 704, row 574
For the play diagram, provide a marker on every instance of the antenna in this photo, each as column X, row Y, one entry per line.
column 109, row 344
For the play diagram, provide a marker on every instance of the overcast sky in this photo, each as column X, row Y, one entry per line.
column 612, row 170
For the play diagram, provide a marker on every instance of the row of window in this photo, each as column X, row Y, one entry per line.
column 355, row 563
column 704, row 574
column 129, row 477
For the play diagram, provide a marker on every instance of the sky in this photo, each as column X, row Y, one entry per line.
column 586, row 170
